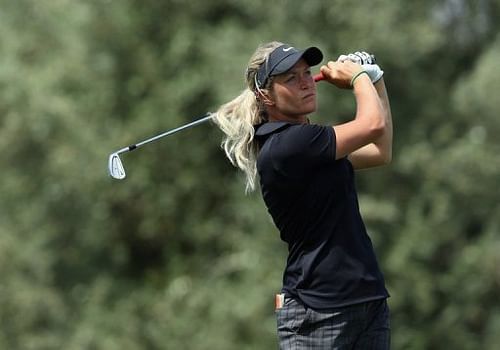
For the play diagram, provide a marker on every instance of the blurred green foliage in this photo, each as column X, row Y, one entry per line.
column 176, row 256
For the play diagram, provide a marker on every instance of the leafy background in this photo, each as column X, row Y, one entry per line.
column 176, row 256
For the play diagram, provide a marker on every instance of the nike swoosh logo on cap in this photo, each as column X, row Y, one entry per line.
column 287, row 49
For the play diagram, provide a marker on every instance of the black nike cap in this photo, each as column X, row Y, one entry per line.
column 283, row 58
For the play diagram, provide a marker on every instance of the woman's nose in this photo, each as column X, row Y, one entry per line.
column 306, row 81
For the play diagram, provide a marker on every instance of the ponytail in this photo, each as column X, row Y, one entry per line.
column 238, row 117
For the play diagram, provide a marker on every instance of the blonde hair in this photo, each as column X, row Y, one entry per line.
column 238, row 117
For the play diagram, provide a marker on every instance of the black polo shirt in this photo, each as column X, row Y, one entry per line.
column 313, row 202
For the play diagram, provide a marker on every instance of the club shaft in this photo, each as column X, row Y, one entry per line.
column 205, row 118
column 318, row 77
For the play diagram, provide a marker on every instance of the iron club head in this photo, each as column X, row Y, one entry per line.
column 115, row 167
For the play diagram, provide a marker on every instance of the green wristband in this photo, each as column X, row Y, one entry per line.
column 356, row 76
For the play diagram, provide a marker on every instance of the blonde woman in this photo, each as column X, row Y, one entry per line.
column 333, row 294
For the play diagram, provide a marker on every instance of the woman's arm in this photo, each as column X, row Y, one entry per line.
column 369, row 123
column 379, row 152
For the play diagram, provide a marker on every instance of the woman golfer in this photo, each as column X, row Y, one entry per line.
column 333, row 294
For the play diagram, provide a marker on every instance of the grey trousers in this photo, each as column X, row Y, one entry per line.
column 363, row 326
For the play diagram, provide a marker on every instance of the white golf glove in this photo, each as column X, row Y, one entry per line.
column 367, row 61
column 359, row 57
column 374, row 72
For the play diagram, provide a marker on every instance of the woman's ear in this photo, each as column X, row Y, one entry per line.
column 266, row 98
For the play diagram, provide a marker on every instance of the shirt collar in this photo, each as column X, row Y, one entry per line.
column 269, row 128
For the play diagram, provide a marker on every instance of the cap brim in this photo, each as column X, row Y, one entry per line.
column 311, row 55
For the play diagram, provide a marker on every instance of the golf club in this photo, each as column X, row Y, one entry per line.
column 115, row 166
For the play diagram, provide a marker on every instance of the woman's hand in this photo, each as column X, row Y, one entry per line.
column 339, row 73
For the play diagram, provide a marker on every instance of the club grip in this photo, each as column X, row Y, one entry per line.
column 318, row 77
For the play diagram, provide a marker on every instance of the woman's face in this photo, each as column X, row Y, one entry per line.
column 293, row 93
